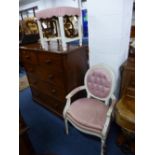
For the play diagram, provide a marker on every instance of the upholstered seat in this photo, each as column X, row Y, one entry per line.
column 88, row 113
column 92, row 115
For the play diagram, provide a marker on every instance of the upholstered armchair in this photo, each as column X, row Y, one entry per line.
column 92, row 114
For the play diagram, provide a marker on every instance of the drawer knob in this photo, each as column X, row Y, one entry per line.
column 31, row 69
column 53, row 91
column 27, row 57
column 56, row 105
column 35, row 94
column 50, row 76
column 48, row 61
column 35, row 82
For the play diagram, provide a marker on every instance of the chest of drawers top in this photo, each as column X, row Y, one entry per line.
column 52, row 47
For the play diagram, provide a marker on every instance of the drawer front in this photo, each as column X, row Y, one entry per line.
column 47, row 88
column 55, row 92
column 49, row 60
column 33, row 81
column 47, row 101
column 29, row 57
column 31, row 69
column 53, row 77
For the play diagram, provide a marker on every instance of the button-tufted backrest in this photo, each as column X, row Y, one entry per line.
column 98, row 81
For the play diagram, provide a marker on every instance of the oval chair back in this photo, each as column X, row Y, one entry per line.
column 99, row 82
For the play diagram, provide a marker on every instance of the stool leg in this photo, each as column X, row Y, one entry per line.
column 80, row 30
column 41, row 34
column 62, row 33
column 58, row 33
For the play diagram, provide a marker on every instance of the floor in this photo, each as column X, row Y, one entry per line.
column 47, row 132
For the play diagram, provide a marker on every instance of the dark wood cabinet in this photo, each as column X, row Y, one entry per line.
column 128, row 78
column 125, row 108
column 53, row 73
column 128, row 83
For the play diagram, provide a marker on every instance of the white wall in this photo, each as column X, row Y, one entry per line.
column 72, row 3
column 39, row 3
column 43, row 4
column 109, row 23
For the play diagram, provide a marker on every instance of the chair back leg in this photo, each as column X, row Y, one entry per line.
column 66, row 126
column 102, row 146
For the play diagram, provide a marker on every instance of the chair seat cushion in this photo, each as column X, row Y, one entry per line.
column 89, row 114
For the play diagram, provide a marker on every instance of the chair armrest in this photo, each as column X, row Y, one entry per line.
column 68, row 97
column 74, row 91
column 111, row 106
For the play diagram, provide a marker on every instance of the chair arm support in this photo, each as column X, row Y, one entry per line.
column 66, row 107
column 106, row 126
column 74, row 91
column 110, row 110
column 108, row 118
column 68, row 97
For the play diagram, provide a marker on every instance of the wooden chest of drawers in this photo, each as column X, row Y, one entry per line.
column 52, row 74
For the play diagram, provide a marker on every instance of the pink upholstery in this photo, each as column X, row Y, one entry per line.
column 98, row 131
column 59, row 11
column 89, row 114
column 99, row 82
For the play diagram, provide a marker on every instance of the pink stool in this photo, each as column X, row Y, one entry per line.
column 59, row 12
